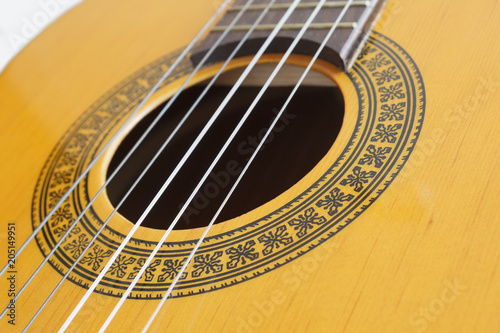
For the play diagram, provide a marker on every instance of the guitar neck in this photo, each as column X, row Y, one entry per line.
column 341, row 49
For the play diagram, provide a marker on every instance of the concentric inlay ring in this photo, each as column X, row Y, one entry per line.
column 391, row 109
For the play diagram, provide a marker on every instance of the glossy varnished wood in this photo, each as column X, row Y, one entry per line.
column 423, row 257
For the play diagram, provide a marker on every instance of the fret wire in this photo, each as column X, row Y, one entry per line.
column 331, row 4
column 296, row 26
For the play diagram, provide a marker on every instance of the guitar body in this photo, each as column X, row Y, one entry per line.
column 404, row 241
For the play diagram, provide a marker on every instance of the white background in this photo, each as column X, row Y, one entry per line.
column 22, row 20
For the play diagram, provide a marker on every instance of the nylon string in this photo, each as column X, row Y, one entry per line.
column 160, row 243
column 156, row 155
column 245, row 73
column 134, row 148
column 118, row 132
column 254, row 154
column 57, row 245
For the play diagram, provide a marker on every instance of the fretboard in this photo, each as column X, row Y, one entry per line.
column 341, row 49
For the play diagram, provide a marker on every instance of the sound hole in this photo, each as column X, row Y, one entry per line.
column 302, row 136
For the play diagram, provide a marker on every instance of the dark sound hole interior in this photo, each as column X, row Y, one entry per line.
column 301, row 137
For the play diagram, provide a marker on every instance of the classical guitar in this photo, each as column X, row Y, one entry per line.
column 253, row 166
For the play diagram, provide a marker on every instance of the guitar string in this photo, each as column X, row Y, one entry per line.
column 240, row 80
column 204, row 92
column 169, row 71
column 206, row 175
column 249, row 162
column 151, row 126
